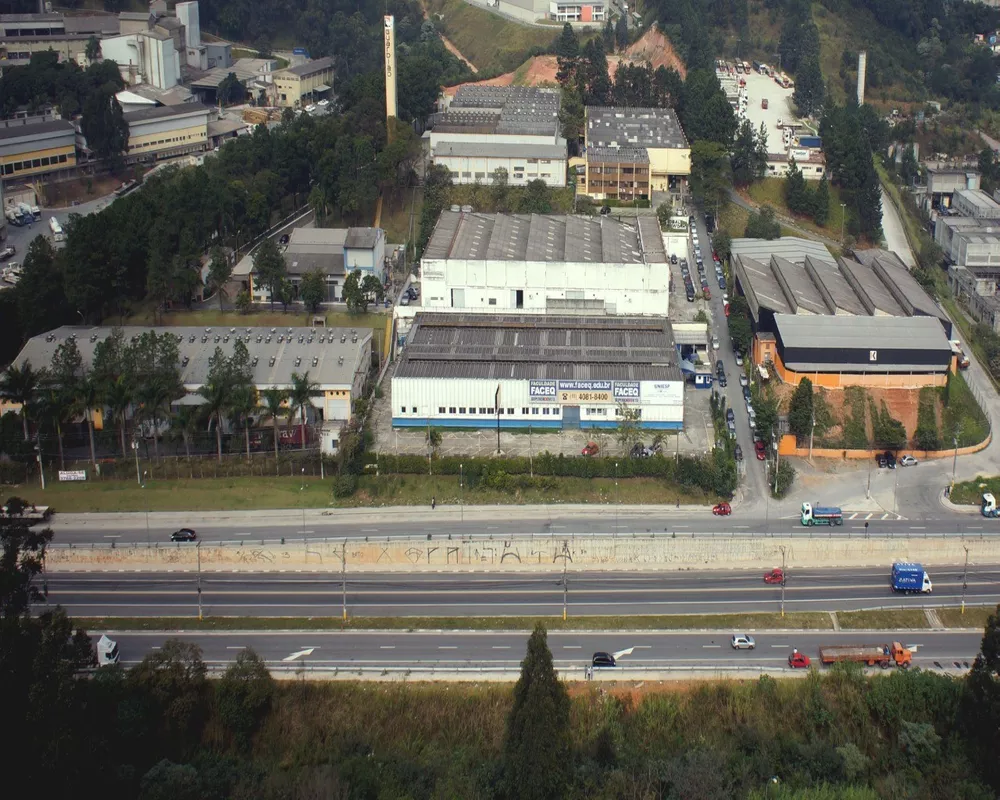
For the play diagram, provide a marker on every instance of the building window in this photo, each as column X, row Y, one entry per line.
column 499, row 412
column 510, row 411
column 451, row 410
column 402, row 410
column 545, row 411
column 461, row 409
column 493, row 301
column 555, row 411
column 440, row 409
column 414, row 409
column 534, row 411
column 524, row 412
column 472, row 411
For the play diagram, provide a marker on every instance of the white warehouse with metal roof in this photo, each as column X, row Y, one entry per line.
column 545, row 264
column 521, row 372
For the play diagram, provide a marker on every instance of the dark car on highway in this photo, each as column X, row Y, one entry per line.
column 183, row 535
column 603, row 660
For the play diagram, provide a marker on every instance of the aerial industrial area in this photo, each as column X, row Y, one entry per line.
column 694, row 367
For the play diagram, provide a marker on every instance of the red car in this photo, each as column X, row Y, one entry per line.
column 774, row 576
column 707, row 293
column 722, row 509
column 798, row 660
column 761, row 451
column 590, row 449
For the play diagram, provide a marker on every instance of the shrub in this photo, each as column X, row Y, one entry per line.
column 345, row 485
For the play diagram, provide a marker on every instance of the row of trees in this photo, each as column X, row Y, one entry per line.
column 136, row 383
column 799, row 51
column 848, row 133
column 800, row 199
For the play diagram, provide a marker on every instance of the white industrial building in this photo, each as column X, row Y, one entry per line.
column 524, row 372
column 486, row 127
column 545, row 264
column 147, row 56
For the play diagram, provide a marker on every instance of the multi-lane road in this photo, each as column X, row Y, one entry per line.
column 484, row 651
column 394, row 594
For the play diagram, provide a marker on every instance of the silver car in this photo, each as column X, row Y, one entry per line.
column 743, row 641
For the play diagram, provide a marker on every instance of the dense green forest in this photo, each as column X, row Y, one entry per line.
column 165, row 729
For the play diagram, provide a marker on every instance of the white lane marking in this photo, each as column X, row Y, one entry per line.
column 643, row 647
column 240, row 647
column 558, row 527
column 387, row 647
column 571, row 647
column 112, row 536
column 870, row 516
column 501, row 647
column 711, row 646
column 917, row 528
column 682, row 526
column 779, row 645
column 299, row 654
column 447, row 647
column 369, row 530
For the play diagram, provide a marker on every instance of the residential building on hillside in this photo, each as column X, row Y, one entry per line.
column 811, row 163
column 651, row 147
column 483, row 128
column 573, row 11
column 943, row 182
column 969, row 241
column 294, row 87
column 545, row 264
column 974, row 203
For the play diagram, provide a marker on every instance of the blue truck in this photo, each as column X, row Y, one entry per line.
column 821, row 515
column 910, row 578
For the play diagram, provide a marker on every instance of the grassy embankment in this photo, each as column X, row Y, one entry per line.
column 493, row 43
column 902, row 619
column 771, row 191
column 259, row 492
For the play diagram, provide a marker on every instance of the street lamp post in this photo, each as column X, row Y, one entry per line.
column 343, row 580
column 146, row 504
column 843, row 216
column 618, row 500
column 302, row 490
column 41, row 467
column 461, row 490
column 135, row 449
column 198, row 550
column 564, row 582
column 954, row 459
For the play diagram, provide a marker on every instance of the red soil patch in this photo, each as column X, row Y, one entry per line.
column 903, row 404
column 653, row 48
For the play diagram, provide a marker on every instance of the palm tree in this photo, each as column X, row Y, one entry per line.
column 155, row 396
column 52, row 405
column 87, row 398
column 243, row 404
column 274, row 404
column 20, row 385
column 298, row 398
column 117, row 396
column 216, row 394
column 185, row 421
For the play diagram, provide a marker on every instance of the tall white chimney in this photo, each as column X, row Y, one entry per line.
column 187, row 13
column 862, row 69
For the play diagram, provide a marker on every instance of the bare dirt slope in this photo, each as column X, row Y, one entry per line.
column 903, row 404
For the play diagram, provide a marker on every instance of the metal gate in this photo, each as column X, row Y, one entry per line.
column 571, row 416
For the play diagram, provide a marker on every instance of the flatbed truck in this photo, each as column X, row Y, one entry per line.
column 884, row 655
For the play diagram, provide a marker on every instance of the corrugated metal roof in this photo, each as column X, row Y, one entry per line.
column 889, row 333
column 198, row 345
column 532, row 347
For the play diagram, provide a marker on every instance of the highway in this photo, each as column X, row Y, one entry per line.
column 488, row 650
column 104, row 529
column 394, row 594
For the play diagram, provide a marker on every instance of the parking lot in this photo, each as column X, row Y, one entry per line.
column 779, row 107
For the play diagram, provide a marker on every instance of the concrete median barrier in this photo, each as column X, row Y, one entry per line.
column 527, row 554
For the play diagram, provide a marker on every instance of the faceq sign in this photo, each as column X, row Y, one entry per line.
column 627, row 392
column 542, row 391
column 581, row 392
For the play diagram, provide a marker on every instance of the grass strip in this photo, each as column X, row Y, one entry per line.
column 722, row 622
column 883, row 619
column 974, row 616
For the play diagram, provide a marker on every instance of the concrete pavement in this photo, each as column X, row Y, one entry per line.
column 393, row 594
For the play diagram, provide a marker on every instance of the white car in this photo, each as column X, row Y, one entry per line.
column 715, row 343
column 908, row 461
column 739, row 359
column 744, row 380
column 310, row 108
column 743, row 641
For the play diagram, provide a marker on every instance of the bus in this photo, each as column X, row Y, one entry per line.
column 57, row 231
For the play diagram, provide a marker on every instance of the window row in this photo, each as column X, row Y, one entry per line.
column 35, row 163
column 545, row 411
column 168, row 141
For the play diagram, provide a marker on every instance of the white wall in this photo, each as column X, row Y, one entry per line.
column 641, row 289
column 143, row 58
column 467, row 170
column 489, row 138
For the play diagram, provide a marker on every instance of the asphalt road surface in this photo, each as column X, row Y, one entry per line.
column 488, row 650
column 173, row 594
column 132, row 528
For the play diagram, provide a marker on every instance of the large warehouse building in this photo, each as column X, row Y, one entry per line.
column 839, row 321
column 522, row 372
column 545, row 264
column 336, row 359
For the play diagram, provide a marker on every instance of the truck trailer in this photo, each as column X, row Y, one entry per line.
column 821, row 515
column 107, row 651
column 885, row 655
column 910, row 578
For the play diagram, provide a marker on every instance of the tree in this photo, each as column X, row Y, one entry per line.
column 782, row 480
column 628, row 432
column 762, row 224
column 166, row 780
column 500, row 189
column 809, row 89
column 231, row 90
column 567, row 55
column 157, row 378
column 608, row 35
column 104, row 124
column 312, row 289
column 299, row 398
column 621, row 32
column 821, row 202
column 722, row 243
column 592, row 74
column 21, row 385
column 93, row 49
column 710, row 171
column 219, row 273
column 244, row 303
column 536, row 743
column 354, row 295
column 979, row 712
column 184, row 422
column 243, row 404
column 286, row 293
column 869, row 203
column 269, row 266
column 274, row 400
column 537, row 198
column 740, row 332
column 800, row 409
column 244, row 695
column 748, row 162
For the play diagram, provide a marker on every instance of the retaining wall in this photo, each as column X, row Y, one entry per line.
column 532, row 553
column 787, row 446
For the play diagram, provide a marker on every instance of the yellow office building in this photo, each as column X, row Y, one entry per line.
column 306, row 83
column 167, row 131
column 30, row 147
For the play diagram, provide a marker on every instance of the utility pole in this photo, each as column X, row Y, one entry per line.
column 198, row 549
column 618, row 499
column 777, row 461
column 812, row 432
column 135, row 449
column 965, row 576
column 782, row 580
column 461, row 490
column 954, row 458
column 343, row 580
column 564, row 582
column 41, row 467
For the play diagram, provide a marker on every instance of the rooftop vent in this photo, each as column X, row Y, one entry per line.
column 208, row 330
column 225, row 339
column 218, row 338
column 50, row 337
column 302, row 339
column 310, row 340
column 255, row 360
column 93, row 337
column 313, row 331
column 281, row 339
column 271, row 361
column 185, row 361
column 322, row 340
column 204, row 339
column 191, row 339
column 343, row 338
column 272, row 330
column 232, row 330
column 298, row 361
column 340, row 361
column 260, row 338
column 315, row 361
column 267, row 340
